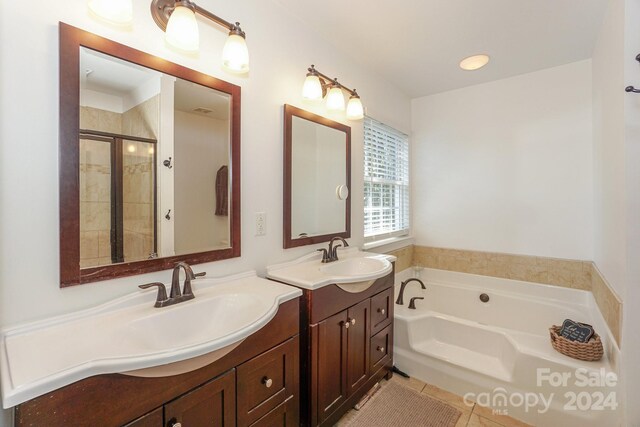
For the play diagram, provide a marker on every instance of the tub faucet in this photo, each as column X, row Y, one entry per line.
column 403, row 285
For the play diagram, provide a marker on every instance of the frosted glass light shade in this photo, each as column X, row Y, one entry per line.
column 114, row 11
column 182, row 30
column 335, row 99
column 312, row 89
column 474, row 62
column 235, row 54
column 355, row 111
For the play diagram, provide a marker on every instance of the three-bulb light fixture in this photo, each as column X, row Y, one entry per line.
column 177, row 18
column 317, row 86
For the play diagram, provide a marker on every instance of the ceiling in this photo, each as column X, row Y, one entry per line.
column 418, row 44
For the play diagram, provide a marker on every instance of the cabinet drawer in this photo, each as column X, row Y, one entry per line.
column 381, row 348
column 283, row 415
column 381, row 310
column 152, row 419
column 266, row 381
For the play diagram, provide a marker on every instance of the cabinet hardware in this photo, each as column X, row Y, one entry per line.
column 380, row 349
column 381, row 310
column 353, row 321
column 174, row 423
column 346, row 324
column 168, row 215
column 268, row 382
column 167, row 163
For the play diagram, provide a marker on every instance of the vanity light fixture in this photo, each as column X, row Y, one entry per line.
column 178, row 19
column 317, row 86
column 474, row 62
column 119, row 12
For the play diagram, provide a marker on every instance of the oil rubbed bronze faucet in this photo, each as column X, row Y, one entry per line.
column 331, row 254
column 176, row 296
column 403, row 285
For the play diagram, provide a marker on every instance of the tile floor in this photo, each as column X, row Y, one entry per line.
column 472, row 416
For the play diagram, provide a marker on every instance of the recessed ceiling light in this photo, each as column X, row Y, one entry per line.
column 474, row 62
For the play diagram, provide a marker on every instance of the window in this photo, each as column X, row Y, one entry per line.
column 386, row 181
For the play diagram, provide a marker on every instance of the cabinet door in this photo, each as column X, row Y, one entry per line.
column 358, row 345
column 331, row 364
column 213, row 404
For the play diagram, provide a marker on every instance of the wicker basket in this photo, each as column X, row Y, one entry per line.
column 590, row 351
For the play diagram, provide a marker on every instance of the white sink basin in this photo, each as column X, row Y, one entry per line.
column 357, row 267
column 215, row 316
column 354, row 269
column 130, row 336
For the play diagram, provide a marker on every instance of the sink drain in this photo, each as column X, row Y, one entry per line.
column 484, row 298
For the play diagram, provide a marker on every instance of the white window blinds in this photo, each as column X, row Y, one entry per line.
column 386, row 181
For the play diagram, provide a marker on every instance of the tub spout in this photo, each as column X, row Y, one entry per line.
column 403, row 285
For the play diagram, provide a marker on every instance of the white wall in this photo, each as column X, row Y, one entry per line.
column 616, row 123
column 610, row 228
column 281, row 49
column 506, row 166
column 201, row 148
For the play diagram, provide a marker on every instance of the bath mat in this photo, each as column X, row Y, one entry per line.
column 398, row 406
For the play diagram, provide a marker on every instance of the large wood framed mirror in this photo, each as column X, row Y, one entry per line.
column 317, row 178
column 149, row 162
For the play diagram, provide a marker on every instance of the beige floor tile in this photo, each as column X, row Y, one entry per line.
column 464, row 418
column 504, row 420
column 445, row 396
column 412, row 383
column 478, row 421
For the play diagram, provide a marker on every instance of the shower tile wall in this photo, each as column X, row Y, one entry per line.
column 95, row 188
column 138, row 181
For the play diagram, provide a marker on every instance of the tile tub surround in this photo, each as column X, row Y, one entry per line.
column 608, row 302
column 404, row 258
column 575, row 274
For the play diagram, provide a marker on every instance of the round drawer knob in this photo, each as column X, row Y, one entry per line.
column 268, row 382
column 381, row 310
column 347, row 324
column 353, row 321
column 174, row 423
column 381, row 349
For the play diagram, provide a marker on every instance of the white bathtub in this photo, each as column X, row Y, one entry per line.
column 498, row 353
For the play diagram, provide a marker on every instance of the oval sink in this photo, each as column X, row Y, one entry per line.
column 195, row 322
column 357, row 268
column 354, row 268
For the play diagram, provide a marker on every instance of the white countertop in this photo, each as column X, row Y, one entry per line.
column 120, row 336
column 309, row 272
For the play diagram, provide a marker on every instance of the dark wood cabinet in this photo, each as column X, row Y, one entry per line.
column 346, row 347
column 331, row 363
column 213, row 404
column 256, row 384
column 358, row 345
column 152, row 419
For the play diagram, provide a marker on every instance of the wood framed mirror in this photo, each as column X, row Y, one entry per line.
column 317, row 178
column 149, row 162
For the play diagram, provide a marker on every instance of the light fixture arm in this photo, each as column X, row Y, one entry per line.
column 328, row 81
column 161, row 11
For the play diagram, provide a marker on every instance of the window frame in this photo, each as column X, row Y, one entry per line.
column 404, row 193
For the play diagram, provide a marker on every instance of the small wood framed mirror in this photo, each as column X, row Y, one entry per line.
column 149, row 162
column 317, row 178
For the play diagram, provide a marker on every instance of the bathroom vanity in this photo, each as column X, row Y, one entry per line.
column 346, row 331
column 230, row 355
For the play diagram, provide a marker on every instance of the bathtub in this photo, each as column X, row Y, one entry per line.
column 498, row 353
